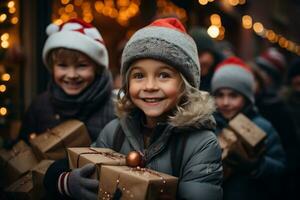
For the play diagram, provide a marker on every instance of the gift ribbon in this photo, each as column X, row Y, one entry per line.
column 110, row 155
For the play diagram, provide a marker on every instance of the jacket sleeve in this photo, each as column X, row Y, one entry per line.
column 273, row 163
column 201, row 175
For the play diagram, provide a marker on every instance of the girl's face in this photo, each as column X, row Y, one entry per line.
column 229, row 102
column 74, row 76
column 154, row 87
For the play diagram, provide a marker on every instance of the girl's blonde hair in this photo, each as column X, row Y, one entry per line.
column 185, row 104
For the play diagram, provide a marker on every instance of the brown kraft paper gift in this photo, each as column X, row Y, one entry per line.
column 81, row 156
column 17, row 161
column 250, row 134
column 230, row 143
column 135, row 183
column 21, row 189
column 38, row 173
column 53, row 143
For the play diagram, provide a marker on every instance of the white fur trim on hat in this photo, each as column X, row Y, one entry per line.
column 90, row 42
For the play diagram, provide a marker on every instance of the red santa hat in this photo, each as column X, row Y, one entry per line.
column 76, row 34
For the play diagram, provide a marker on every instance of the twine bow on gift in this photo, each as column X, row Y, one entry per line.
column 111, row 155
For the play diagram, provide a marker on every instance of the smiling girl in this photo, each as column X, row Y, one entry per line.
column 161, row 110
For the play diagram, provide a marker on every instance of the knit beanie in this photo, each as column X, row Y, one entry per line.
column 76, row 34
column 233, row 73
column 165, row 40
column 294, row 70
column 273, row 63
column 203, row 41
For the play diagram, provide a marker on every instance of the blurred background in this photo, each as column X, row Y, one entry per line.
column 249, row 26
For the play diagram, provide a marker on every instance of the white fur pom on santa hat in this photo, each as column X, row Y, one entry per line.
column 76, row 34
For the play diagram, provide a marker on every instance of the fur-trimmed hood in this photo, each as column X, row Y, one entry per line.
column 197, row 113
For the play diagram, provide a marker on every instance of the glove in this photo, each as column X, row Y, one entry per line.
column 242, row 164
column 80, row 185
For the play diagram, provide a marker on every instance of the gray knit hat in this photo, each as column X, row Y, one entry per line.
column 165, row 40
column 233, row 73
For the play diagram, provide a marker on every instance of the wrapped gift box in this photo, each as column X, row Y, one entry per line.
column 81, row 156
column 21, row 189
column 135, row 183
column 53, row 143
column 230, row 143
column 38, row 173
column 17, row 161
column 250, row 134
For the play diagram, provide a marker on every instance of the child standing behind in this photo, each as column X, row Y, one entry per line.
column 259, row 177
column 159, row 105
column 80, row 85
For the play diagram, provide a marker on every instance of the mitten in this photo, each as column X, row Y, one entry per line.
column 78, row 183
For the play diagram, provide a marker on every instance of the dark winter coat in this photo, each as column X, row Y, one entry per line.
column 201, row 173
column 265, row 182
column 200, row 176
column 93, row 107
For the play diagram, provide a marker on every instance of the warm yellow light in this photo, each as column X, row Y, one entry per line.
column 215, row 19
column 78, row 2
column 203, row 2
column 58, row 22
column 233, row 2
column 213, row 31
column 270, row 35
column 3, row 111
column 69, row 8
column 281, row 41
column 258, row 27
column 99, row 6
column 14, row 20
column 210, row 0
column 3, row 17
column 4, row 36
column 11, row 4
column 12, row 10
column 2, row 88
column 32, row 136
column 5, row 77
column 123, row 3
column 247, row 21
column 4, row 44
column 242, row 2
column 65, row 1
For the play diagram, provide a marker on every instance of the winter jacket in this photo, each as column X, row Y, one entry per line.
column 264, row 184
column 94, row 107
column 200, row 175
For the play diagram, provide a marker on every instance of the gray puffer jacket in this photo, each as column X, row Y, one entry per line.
column 201, row 168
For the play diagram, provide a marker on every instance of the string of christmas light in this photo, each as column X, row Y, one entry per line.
column 8, row 19
column 120, row 10
column 217, row 31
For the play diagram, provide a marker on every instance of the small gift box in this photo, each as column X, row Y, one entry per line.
column 38, row 173
column 81, row 156
column 17, row 161
column 249, row 133
column 229, row 143
column 21, row 189
column 122, row 182
column 53, row 143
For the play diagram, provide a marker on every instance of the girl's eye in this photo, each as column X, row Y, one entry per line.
column 82, row 64
column 164, row 75
column 61, row 64
column 137, row 75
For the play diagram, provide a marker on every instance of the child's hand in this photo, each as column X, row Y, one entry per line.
column 80, row 185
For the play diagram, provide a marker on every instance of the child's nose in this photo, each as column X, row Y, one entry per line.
column 150, row 84
column 72, row 73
